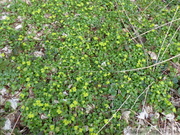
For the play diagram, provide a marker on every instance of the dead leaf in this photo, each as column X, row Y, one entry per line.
column 125, row 116
column 19, row 26
column 51, row 133
column 3, row 91
column 3, row 17
column 89, row 108
column 38, row 54
column 170, row 117
column 31, row 93
column 152, row 55
column 47, row 15
column 13, row 102
column 65, row 93
column 43, row 116
column 148, row 109
column 6, row 50
column 125, row 30
column 127, row 130
column 143, row 115
column 56, row 101
column 27, row 2
column 7, row 125
column 36, row 38
column 2, row 100
column 103, row 64
column 176, row 102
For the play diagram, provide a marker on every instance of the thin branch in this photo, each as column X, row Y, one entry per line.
column 148, row 123
column 146, row 95
column 148, row 5
column 156, row 28
column 15, row 124
column 141, row 94
column 175, row 92
column 169, row 43
column 166, row 5
column 113, row 115
column 137, row 69
column 166, row 36
column 136, row 33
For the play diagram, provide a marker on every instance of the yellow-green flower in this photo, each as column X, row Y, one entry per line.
column 107, row 82
column 75, row 127
column 2, row 54
column 75, row 102
column 38, row 103
column 66, row 122
column 72, row 105
column 118, row 125
column 80, row 130
column 46, row 105
column 22, row 95
column 139, row 45
column 106, row 105
column 7, row 18
column 23, row 107
column 13, row 58
column 174, row 110
column 59, row 111
column 28, row 85
column 30, row 115
column 52, row 127
column 73, row 89
column 42, row 70
column 118, row 37
column 84, row 87
column 91, row 129
column 38, row 11
column 18, row 67
column 27, row 79
column 78, row 78
column 28, row 63
column 73, row 118
column 129, row 79
column 53, row 34
column 105, row 121
column 95, row 38
column 93, row 134
column 85, row 94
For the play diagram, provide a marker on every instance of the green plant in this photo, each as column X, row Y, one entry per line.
column 74, row 86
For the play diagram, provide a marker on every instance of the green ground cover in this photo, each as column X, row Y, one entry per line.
column 69, row 60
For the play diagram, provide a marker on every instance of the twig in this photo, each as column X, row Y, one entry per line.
column 175, row 92
column 146, row 95
column 169, row 43
column 137, row 69
column 113, row 115
column 15, row 124
column 166, row 36
column 148, row 5
column 166, row 5
column 148, row 123
column 155, row 28
column 140, row 39
column 141, row 94
column 136, row 33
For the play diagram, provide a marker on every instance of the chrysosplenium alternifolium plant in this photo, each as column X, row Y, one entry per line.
column 66, row 55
